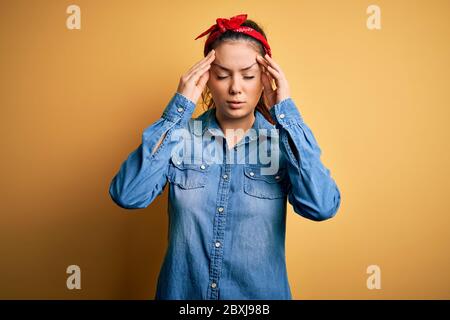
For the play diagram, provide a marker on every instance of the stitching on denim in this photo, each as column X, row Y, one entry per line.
column 164, row 142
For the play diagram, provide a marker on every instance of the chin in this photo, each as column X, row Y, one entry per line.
column 235, row 113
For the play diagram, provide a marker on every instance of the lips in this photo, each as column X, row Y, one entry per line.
column 235, row 104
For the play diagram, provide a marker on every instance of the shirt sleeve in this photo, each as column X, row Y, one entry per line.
column 313, row 193
column 143, row 175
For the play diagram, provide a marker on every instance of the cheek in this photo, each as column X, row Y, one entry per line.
column 257, row 81
column 212, row 85
column 217, row 87
column 256, row 86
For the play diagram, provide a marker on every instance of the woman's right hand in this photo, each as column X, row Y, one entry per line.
column 194, row 80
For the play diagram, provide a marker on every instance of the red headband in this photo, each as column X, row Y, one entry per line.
column 233, row 24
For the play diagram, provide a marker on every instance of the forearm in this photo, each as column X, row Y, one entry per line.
column 313, row 193
column 143, row 175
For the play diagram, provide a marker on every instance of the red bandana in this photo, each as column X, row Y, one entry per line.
column 234, row 24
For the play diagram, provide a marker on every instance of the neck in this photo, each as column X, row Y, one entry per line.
column 234, row 129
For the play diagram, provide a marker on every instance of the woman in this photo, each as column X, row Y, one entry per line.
column 227, row 198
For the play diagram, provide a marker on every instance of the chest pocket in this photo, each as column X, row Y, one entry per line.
column 266, row 186
column 187, row 175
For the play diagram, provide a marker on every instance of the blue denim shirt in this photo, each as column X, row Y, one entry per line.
column 227, row 211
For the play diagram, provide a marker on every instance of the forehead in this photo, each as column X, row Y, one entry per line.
column 236, row 55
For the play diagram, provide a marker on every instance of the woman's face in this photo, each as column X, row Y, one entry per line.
column 235, row 75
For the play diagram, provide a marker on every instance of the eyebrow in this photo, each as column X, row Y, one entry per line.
column 243, row 69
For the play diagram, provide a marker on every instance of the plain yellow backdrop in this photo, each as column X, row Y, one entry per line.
column 74, row 104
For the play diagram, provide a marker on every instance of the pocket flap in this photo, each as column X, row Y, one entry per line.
column 187, row 163
column 255, row 173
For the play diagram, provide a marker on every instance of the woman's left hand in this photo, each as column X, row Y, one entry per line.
column 272, row 71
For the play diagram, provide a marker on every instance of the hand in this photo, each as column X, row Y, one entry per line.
column 194, row 80
column 272, row 71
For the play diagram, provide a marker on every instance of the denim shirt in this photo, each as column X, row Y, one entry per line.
column 227, row 208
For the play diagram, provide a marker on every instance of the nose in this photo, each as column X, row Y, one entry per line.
column 235, row 86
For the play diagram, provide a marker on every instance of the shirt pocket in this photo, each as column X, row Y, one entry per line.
column 266, row 186
column 187, row 175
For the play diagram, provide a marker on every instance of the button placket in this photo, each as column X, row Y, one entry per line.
column 218, row 231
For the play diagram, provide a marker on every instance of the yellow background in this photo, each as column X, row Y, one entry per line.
column 74, row 104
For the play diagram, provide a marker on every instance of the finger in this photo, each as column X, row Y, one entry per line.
column 266, row 66
column 262, row 62
column 275, row 74
column 272, row 79
column 273, row 63
column 203, row 79
column 198, row 72
column 266, row 83
column 195, row 75
column 273, row 82
column 208, row 59
column 265, row 69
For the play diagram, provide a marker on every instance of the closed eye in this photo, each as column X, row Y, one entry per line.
column 221, row 78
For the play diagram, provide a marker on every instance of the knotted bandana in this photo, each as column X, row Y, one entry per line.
column 233, row 24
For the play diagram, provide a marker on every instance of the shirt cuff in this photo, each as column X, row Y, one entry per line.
column 179, row 107
column 286, row 112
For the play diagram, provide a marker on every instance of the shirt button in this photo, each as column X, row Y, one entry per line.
column 202, row 167
column 252, row 173
column 213, row 285
column 235, row 147
column 282, row 116
column 220, row 209
column 180, row 109
column 225, row 176
column 277, row 177
column 217, row 244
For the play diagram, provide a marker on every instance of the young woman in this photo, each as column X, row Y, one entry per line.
column 230, row 172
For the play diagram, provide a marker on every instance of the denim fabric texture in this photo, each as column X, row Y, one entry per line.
column 227, row 206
